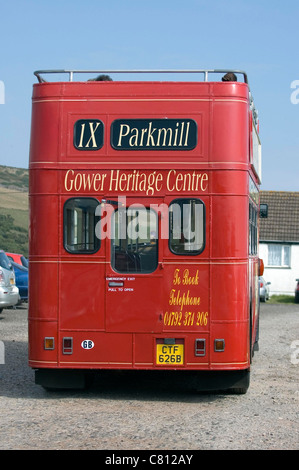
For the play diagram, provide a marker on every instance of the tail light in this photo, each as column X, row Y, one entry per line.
column 49, row 343
column 200, row 347
column 219, row 345
column 67, row 345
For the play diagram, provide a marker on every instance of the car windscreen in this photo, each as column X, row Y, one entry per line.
column 4, row 261
column 24, row 261
column 20, row 267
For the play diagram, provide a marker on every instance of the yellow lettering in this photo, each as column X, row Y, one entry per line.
column 190, row 280
column 78, row 182
column 133, row 140
column 68, row 183
column 204, row 182
column 165, row 132
column 176, row 277
column 113, row 181
column 176, row 298
column 186, row 181
column 179, row 179
column 86, row 182
column 122, row 134
column 170, row 186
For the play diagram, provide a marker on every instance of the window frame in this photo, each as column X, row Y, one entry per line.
column 282, row 247
column 132, row 255
column 253, row 229
column 97, row 218
column 193, row 252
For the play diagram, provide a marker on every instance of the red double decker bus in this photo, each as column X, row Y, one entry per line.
column 144, row 209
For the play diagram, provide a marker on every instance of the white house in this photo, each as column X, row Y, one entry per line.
column 279, row 241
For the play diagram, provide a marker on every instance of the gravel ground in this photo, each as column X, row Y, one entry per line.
column 134, row 413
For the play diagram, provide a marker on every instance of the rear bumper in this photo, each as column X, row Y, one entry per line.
column 9, row 296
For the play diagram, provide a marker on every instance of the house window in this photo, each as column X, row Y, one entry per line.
column 279, row 255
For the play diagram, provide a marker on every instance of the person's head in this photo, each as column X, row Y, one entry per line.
column 229, row 77
column 103, row 78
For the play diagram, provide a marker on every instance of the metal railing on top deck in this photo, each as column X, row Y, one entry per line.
column 205, row 72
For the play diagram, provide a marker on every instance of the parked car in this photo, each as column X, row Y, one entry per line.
column 21, row 274
column 297, row 292
column 9, row 293
column 264, row 289
column 20, row 259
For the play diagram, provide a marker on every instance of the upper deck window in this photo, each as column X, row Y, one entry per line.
column 187, row 226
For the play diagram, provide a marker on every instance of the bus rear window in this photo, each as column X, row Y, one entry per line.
column 134, row 240
column 187, row 226
column 79, row 225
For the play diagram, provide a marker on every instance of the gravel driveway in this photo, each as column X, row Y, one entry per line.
column 134, row 412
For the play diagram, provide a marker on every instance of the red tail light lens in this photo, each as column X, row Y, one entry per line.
column 67, row 345
column 200, row 347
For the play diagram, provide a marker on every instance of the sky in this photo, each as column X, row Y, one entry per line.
column 257, row 36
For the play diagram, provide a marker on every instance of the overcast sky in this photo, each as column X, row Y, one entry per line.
column 257, row 36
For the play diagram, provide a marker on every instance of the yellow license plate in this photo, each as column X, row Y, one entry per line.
column 170, row 354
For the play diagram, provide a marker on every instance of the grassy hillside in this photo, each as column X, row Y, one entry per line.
column 14, row 209
column 14, row 178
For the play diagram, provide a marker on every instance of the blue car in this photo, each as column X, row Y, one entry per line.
column 21, row 274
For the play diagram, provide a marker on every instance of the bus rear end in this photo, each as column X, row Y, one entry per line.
column 140, row 229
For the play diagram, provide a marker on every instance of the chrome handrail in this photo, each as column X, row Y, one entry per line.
column 206, row 72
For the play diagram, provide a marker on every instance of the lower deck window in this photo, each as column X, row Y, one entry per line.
column 79, row 225
column 187, row 226
column 134, row 240
column 134, row 232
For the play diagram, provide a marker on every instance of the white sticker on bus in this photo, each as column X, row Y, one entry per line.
column 87, row 344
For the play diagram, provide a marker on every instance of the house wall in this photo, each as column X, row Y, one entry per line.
column 283, row 279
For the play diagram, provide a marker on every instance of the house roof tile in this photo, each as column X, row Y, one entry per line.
column 282, row 223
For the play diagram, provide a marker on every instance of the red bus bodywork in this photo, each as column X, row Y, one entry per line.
column 193, row 310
